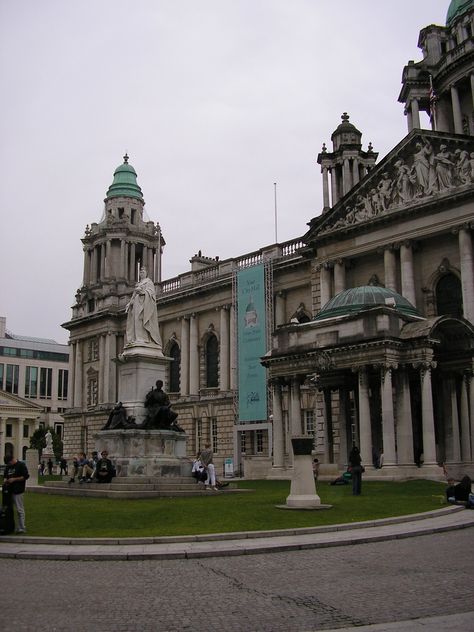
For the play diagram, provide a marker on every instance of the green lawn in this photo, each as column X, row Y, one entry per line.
column 48, row 515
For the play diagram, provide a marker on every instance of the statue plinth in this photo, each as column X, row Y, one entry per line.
column 138, row 373
column 151, row 453
column 303, row 487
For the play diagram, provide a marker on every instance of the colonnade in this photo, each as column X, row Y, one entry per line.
column 396, row 418
column 190, row 352
column 448, row 110
column 99, row 261
column 18, row 440
column 399, row 264
column 344, row 177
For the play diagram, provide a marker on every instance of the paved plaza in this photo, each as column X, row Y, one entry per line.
column 302, row 591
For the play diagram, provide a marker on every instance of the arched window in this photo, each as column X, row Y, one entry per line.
column 212, row 362
column 175, row 367
column 449, row 295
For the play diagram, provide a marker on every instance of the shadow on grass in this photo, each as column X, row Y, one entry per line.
column 62, row 516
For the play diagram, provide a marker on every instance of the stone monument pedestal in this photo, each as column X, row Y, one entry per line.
column 303, row 486
column 138, row 373
column 150, row 453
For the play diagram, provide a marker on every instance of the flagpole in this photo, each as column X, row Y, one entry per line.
column 276, row 217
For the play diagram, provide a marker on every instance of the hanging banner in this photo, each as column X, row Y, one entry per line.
column 251, row 331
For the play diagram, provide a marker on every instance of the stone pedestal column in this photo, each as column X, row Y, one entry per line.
column 184, row 374
column 388, row 420
column 465, row 429
column 193, row 356
column 457, row 114
column 365, row 427
column 429, row 444
column 325, row 187
column 390, row 268
column 339, row 276
column 278, row 432
column 467, row 273
column 404, row 421
column 325, row 283
column 303, row 486
column 224, row 349
column 407, row 273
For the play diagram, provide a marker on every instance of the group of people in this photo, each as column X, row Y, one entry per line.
column 461, row 493
column 96, row 469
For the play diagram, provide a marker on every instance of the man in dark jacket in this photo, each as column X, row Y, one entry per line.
column 104, row 470
column 15, row 477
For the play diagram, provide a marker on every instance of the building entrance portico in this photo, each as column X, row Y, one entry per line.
column 391, row 382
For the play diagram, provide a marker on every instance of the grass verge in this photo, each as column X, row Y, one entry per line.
column 62, row 516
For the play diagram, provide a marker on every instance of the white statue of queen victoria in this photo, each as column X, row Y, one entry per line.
column 142, row 316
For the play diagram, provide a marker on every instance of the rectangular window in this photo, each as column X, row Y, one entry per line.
column 92, row 391
column 46, row 382
column 198, row 434
column 63, row 375
column 9, row 430
column 9, row 351
column 58, row 429
column 214, row 434
column 93, row 348
column 26, row 432
column 11, row 381
column 26, row 353
column 31, row 381
column 243, row 442
column 259, row 438
column 309, row 422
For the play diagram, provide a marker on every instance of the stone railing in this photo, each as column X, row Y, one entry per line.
column 226, row 267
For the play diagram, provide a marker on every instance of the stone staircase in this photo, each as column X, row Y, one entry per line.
column 132, row 487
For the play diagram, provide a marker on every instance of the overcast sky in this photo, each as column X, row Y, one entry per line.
column 214, row 101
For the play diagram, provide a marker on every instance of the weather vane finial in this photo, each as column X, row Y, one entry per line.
column 125, row 158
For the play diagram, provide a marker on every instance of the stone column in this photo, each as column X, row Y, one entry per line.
column 72, row 372
column 280, row 308
column 101, row 368
column 355, row 171
column 342, row 421
column 224, row 349
column 465, row 429
column 87, row 266
column 467, row 273
column 2, row 436
column 390, row 268
column 132, row 264
column 102, row 260
column 108, row 258
column 388, row 419
column 455, row 447
column 409, row 118
column 328, row 429
column 429, row 444
column 193, row 356
column 346, row 177
column 415, row 113
column 472, row 89
column 19, row 439
column 365, row 426
column 106, row 368
column 123, row 259
column 151, row 266
column 471, row 408
column 339, row 276
column 278, row 431
column 325, row 187
column 93, row 277
column 334, row 194
column 78, row 375
column 407, row 272
column 405, row 454
column 184, row 374
column 296, row 426
column 325, row 283
column 113, row 394
column 457, row 114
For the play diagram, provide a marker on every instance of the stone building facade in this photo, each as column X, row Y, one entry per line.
column 389, row 365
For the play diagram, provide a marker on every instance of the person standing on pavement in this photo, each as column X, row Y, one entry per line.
column 206, row 457
column 14, row 481
column 356, row 469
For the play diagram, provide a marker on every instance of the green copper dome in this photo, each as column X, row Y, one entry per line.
column 125, row 182
column 457, row 8
column 359, row 298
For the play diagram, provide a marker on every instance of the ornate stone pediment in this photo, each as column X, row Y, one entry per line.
column 424, row 166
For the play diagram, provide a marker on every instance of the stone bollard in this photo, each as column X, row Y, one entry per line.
column 303, row 486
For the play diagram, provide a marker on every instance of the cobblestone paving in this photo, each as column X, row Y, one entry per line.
column 292, row 592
